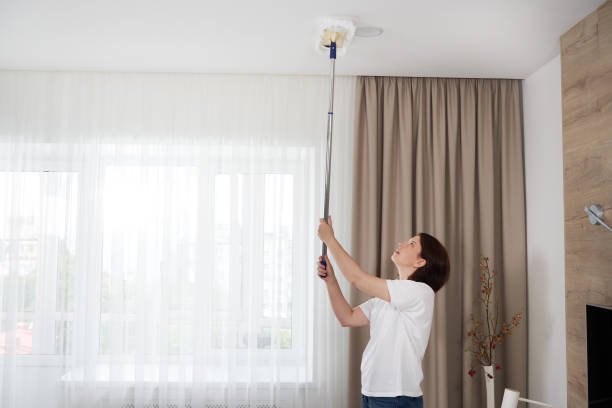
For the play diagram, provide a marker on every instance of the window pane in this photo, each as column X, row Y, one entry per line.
column 264, row 338
column 19, row 339
column 117, row 336
column 150, row 225
column 273, row 280
column 38, row 212
column 180, row 338
column 26, row 285
column 65, row 277
column 225, row 337
column 228, row 243
column 285, row 338
column 278, row 245
column 63, row 337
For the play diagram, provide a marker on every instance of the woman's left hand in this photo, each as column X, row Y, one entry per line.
column 326, row 231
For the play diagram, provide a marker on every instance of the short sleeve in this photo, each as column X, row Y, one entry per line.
column 367, row 306
column 406, row 294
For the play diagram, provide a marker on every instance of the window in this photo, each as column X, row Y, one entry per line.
column 188, row 250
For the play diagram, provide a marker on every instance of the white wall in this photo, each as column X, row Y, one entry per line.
column 545, row 234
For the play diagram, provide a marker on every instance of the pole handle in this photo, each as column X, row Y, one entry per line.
column 323, row 253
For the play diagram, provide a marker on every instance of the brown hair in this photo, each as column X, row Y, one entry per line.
column 437, row 268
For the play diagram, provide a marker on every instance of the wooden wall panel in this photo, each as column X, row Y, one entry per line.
column 586, row 71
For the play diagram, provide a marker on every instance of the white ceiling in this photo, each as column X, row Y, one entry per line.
column 445, row 38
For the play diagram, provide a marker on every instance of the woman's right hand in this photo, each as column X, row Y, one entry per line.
column 326, row 272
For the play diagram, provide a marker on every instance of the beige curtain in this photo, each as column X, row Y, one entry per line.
column 444, row 156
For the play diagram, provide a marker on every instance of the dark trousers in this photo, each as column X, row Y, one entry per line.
column 401, row 401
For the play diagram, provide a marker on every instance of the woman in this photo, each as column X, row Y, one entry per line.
column 399, row 314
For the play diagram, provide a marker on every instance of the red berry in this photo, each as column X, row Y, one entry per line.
column 497, row 367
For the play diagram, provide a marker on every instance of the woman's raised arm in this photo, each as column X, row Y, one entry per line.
column 350, row 269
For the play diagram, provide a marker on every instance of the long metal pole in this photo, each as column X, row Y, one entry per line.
column 330, row 129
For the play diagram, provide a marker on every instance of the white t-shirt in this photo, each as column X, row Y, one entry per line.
column 399, row 332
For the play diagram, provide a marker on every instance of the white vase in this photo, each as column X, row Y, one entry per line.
column 490, row 385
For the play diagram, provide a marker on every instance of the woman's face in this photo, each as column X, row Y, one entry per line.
column 406, row 255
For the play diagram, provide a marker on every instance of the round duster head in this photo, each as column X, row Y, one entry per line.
column 339, row 31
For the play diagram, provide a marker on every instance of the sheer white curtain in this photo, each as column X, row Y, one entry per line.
column 157, row 240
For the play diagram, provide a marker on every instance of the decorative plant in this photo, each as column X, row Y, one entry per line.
column 486, row 334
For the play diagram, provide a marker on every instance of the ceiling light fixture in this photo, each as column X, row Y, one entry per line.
column 368, row 32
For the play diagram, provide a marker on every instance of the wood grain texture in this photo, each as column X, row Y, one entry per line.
column 586, row 72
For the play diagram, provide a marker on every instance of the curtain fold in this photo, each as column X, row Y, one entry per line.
column 158, row 240
column 444, row 156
